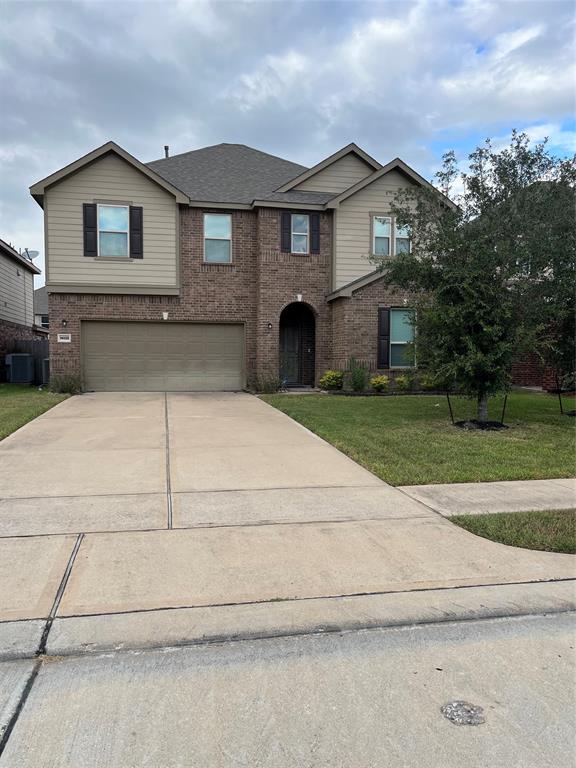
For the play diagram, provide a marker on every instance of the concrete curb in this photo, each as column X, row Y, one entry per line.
column 79, row 635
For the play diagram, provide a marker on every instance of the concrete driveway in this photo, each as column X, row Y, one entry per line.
column 214, row 505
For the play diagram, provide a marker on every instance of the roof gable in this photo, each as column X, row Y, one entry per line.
column 23, row 261
column 37, row 190
column 393, row 165
column 329, row 161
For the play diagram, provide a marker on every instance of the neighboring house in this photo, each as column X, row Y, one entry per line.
column 41, row 307
column 16, row 300
column 221, row 266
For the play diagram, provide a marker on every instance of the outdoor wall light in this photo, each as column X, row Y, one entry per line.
column 64, row 323
column 164, row 315
column 269, row 326
column 298, row 297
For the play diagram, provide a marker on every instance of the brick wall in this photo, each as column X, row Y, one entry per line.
column 355, row 323
column 253, row 289
column 280, row 278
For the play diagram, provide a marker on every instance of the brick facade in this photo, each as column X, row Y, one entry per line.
column 253, row 290
column 355, row 323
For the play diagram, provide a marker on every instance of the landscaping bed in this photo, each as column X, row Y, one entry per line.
column 20, row 403
column 409, row 439
column 551, row 531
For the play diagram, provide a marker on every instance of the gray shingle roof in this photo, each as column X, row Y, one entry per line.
column 226, row 173
column 295, row 196
column 40, row 301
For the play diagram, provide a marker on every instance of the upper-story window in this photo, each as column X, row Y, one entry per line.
column 113, row 230
column 402, row 243
column 300, row 233
column 218, row 238
column 381, row 235
column 383, row 244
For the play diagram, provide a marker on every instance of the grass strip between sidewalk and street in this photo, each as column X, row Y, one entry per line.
column 20, row 403
column 550, row 530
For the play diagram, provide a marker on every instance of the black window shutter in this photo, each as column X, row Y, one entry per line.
column 136, row 239
column 314, row 233
column 383, row 337
column 90, row 230
column 286, row 232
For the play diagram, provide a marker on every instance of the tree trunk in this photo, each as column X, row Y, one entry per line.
column 482, row 406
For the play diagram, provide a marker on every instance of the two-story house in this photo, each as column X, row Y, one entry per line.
column 16, row 300
column 209, row 269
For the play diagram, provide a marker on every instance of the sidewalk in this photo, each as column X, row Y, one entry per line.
column 481, row 498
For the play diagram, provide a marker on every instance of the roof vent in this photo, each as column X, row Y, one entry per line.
column 166, row 150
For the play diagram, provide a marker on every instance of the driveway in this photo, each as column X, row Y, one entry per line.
column 226, row 516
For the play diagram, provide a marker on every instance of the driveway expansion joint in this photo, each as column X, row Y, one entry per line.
column 168, row 480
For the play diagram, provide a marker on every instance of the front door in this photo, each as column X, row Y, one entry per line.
column 290, row 355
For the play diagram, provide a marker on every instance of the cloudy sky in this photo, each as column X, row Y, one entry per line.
column 297, row 79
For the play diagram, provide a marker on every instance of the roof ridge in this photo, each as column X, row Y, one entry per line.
column 227, row 144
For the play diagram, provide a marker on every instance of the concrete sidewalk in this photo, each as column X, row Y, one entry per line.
column 482, row 498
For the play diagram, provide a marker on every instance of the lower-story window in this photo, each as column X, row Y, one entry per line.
column 401, row 335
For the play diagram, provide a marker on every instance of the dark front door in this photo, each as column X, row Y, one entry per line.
column 290, row 354
column 297, row 342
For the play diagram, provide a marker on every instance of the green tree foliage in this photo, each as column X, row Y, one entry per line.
column 494, row 273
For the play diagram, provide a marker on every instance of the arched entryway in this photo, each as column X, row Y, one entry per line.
column 297, row 345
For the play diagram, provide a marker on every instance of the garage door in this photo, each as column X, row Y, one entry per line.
column 156, row 357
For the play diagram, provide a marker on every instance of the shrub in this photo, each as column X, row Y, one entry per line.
column 267, row 383
column 67, row 384
column 402, row 383
column 358, row 375
column 380, row 383
column 331, row 380
column 427, row 381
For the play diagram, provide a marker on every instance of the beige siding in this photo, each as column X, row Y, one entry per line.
column 112, row 179
column 353, row 226
column 341, row 175
column 16, row 292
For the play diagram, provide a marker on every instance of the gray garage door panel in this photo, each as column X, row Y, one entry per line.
column 151, row 357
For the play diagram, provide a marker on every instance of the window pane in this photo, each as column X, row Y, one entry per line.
column 217, row 251
column 113, row 244
column 401, row 328
column 382, row 246
column 402, row 232
column 216, row 225
column 399, row 356
column 381, row 226
column 402, row 245
column 299, row 243
column 300, row 223
column 112, row 217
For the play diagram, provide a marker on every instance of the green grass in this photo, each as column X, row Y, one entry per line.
column 409, row 440
column 552, row 531
column 20, row 403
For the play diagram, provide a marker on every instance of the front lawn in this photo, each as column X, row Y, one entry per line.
column 553, row 531
column 409, row 440
column 20, row 403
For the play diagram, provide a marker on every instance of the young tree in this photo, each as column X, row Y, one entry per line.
column 490, row 271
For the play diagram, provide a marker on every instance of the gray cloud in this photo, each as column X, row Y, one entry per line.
column 296, row 79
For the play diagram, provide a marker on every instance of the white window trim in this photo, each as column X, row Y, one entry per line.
column 401, row 238
column 113, row 231
column 399, row 343
column 390, row 240
column 227, row 239
column 294, row 232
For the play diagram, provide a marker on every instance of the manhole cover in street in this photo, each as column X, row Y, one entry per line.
column 463, row 713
